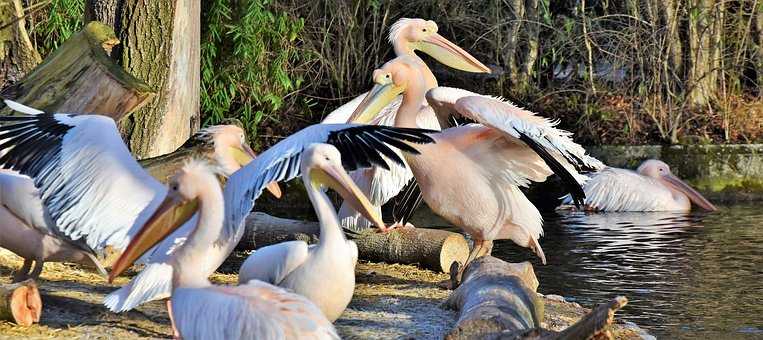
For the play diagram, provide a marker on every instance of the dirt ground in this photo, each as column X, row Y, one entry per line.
column 390, row 302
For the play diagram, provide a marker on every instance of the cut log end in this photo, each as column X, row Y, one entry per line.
column 22, row 303
column 454, row 250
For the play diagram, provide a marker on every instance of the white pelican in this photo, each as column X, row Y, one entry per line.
column 89, row 182
column 472, row 174
column 200, row 310
column 32, row 233
column 652, row 187
column 380, row 185
column 324, row 272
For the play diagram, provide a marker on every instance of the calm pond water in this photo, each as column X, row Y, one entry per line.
column 695, row 275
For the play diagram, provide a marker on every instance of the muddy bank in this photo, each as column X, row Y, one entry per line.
column 391, row 302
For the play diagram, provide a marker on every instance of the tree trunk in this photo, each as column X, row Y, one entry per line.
column 161, row 44
column 495, row 297
column 17, row 55
column 20, row 302
column 758, row 57
column 430, row 248
column 80, row 77
column 702, row 79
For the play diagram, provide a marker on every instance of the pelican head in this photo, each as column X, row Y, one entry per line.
column 322, row 166
column 231, row 150
column 408, row 35
column 181, row 202
column 660, row 171
column 393, row 78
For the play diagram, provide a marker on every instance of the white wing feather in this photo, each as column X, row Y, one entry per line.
column 255, row 310
column 273, row 263
column 152, row 283
column 19, row 195
column 613, row 189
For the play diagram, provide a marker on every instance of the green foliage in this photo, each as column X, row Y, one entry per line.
column 249, row 62
column 56, row 24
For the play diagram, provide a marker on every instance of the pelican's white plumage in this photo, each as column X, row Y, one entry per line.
column 254, row 310
column 652, row 187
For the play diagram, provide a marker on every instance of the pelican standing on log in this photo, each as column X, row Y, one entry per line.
column 652, row 187
column 324, row 272
column 380, row 185
column 472, row 173
column 32, row 233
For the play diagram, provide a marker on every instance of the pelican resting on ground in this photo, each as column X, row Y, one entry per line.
column 201, row 310
column 324, row 272
column 380, row 185
column 98, row 188
column 472, row 173
column 32, row 233
column 652, row 187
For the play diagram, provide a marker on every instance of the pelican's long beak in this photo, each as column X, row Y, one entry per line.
column 376, row 99
column 450, row 54
column 243, row 155
column 336, row 178
column 693, row 195
column 170, row 215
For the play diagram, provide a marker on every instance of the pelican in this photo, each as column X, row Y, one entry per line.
column 89, row 182
column 652, row 187
column 472, row 173
column 325, row 272
column 201, row 310
column 406, row 36
column 31, row 232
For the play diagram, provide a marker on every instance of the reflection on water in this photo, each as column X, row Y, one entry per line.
column 688, row 276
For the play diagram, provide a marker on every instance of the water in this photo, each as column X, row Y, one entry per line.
column 697, row 275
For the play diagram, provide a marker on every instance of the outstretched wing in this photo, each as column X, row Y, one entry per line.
column 89, row 182
column 537, row 132
column 360, row 146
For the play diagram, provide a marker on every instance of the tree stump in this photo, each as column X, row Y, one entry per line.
column 161, row 45
column 495, row 297
column 17, row 54
column 20, row 303
column 432, row 249
column 80, row 77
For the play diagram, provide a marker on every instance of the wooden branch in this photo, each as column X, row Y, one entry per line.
column 596, row 323
column 430, row 248
column 79, row 76
column 20, row 302
column 495, row 297
column 17, row 54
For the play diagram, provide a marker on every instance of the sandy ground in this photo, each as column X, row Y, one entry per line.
column 390, row 302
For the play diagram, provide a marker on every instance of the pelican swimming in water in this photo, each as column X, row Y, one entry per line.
column 201, row 310
column 31, row 232
column 652, row 187
column 380, row 185
column 90, row 183
column 324, row 272
column 471, row 175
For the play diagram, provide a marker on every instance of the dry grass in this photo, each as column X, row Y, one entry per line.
column 391, row 301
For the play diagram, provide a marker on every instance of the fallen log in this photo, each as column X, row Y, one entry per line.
column 20, row 303
column 495, row 297
column 431, row 248
column 80, row 76
column 165, row 166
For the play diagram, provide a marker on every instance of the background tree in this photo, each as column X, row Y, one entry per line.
column 160, row 43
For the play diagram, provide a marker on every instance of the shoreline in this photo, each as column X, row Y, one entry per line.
column 390, row 301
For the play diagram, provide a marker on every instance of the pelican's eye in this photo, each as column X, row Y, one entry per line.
column 424, row 30
column 326, row 158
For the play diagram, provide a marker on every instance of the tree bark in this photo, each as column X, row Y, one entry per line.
column 495, row 297
column 702, row 77
column 758, row 58
column 430, row 248
column 17, row 54
column 80, row 77
column 20, row 303
column 161, row 44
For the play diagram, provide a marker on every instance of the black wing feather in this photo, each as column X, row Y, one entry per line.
column 572, row 185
